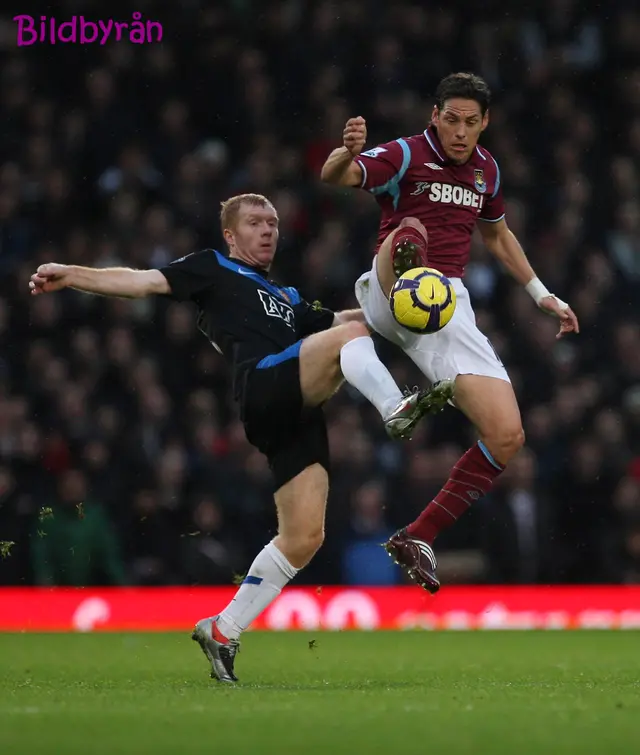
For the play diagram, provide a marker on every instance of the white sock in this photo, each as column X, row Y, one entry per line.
column 363, row 369
column 268, row 574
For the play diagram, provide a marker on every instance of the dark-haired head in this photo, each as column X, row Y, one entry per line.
column 464, row 86
column 461, row 114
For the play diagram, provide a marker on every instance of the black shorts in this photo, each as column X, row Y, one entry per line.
column 290, row 435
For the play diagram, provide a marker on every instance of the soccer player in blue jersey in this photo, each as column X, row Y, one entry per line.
column 287, row 358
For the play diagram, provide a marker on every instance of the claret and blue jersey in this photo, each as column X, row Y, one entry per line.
column 413, row 177
column 249, row 319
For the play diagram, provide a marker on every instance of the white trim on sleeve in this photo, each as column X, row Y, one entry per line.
column 364, row 173
column 493, row 220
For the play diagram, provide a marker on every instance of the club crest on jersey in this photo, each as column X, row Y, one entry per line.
column 478, row 180
column 275, row 308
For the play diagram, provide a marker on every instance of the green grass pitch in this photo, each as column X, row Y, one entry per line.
column 331, row 693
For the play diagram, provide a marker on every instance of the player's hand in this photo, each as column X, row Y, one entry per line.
column 568, row 321
column 354, row 135
column 48, row 278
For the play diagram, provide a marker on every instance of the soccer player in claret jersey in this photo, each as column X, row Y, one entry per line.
column 433, row 189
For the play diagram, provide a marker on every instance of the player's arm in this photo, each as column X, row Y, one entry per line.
column 314, row 318
column 340, row 167
column 370, row 170
column 181, row 279
column 504, row 245
column 116, row 281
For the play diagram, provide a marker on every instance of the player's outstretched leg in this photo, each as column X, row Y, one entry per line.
column 323, row 364
column 402, row 250
column 301, row 505
column 347, row 351
column 491, row 405
column 415, row 405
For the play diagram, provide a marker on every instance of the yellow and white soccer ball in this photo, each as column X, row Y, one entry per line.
column 423, row 300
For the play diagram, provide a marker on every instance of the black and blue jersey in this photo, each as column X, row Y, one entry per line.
column 248, row 318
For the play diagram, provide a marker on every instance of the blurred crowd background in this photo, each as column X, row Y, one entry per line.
column 122, row 460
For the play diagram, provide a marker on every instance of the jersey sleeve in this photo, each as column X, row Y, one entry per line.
column 190, row 275
column 382, row 165
column 493, row 207
column 311, row 318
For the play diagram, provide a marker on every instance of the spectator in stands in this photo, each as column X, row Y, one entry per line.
column 112, row 155
column 74, row 543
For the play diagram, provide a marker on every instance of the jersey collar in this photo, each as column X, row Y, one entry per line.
column 431, row 135
column 259, row 270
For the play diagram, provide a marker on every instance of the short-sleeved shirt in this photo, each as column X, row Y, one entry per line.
column 413, row 177
column 244, row 315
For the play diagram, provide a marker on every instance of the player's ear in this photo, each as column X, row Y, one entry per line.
column 485, row 120
column 228, row 236
column 434, row 114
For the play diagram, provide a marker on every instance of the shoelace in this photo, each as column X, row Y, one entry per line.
column 230, row 649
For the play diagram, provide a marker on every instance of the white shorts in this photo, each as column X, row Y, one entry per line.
column 458, row 349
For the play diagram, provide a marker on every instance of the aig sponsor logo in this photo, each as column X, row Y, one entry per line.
column 275, row 308
column 458, row 195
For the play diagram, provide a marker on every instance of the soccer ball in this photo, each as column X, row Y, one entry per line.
column 423, row 300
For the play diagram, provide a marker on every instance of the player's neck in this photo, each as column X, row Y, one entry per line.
column 247, row 263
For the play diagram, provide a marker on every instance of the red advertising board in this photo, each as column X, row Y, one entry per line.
column 333, row 608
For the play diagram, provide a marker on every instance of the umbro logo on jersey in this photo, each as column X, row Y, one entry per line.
column 276, row 308
column 433, row 166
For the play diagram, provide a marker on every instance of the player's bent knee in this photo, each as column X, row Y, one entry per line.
column 516, row 439
column 304, row 545
column 314, row 541
column 353, row 330
column 505, row 443
column 413, row 223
